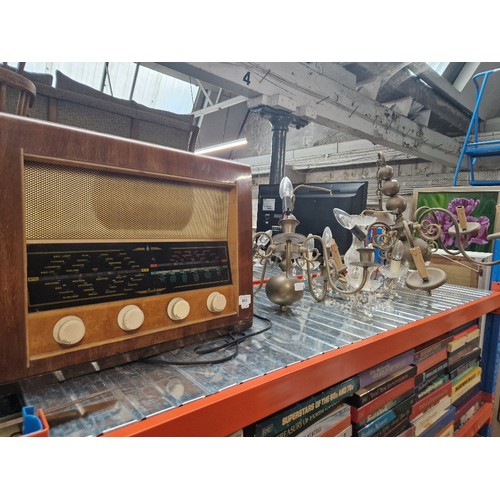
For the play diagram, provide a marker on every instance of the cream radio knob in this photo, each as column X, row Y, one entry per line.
column 69, row 330
column 216, row 302
column 178, row 309
column 130, row 318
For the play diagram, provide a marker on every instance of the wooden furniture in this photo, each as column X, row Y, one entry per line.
column 69, row 102
column 25, row 90
column 111, row 232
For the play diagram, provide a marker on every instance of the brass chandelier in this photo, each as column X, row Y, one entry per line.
column 386, row 251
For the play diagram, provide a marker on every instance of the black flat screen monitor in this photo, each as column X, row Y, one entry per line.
column 313, row 208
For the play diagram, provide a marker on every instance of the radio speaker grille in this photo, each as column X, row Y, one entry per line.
column 71, row 203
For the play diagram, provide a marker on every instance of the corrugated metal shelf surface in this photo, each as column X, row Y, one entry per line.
column 307, row 348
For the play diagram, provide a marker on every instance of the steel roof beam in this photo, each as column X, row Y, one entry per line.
column 327, row 102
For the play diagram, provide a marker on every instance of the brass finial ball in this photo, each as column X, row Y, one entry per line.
column 396, row 203
column 385, row 173
column 284, row 291
column 390, row 187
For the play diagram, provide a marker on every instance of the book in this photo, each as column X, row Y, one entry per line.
column 441, row 423
column 432, row 386
column 347, row 432
column 387, row 406
column 463, row 351
column 370, row 410
column 427, row 418
column 448, row 431
column 423, row 404
column 399, row 429
column 432, row 373
column 458, row 381
column 408, row 432
column 432, row 361
column 466, row 410
column 386, row 368
column 296, row 417
column 386, row 422
column 340, row 416
column 473, row 354
column 466, row 382
column 464, row 367
column 367, row 393
column 471, row 393
column 461, row 328
column 431, row 347
column 462, row 339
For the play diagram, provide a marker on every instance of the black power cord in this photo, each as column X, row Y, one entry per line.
column 231, row 340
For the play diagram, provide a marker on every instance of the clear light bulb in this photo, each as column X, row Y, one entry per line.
column 327, row 236
column 309, row 243
column 397, row 255
column 265, row 238
column 397, row 251
column 286, row 194
column 347, row 222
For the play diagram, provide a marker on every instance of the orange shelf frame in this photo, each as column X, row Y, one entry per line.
column 482, row 417
column 230, row 410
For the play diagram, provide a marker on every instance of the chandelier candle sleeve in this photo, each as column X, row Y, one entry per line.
column 462, row 218
column 419, row 263
column 334, row 249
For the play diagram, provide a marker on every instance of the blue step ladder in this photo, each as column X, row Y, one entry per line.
column 477, row 149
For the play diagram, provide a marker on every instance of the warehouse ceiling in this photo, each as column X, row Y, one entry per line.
column 414, row 109
column 405, row 106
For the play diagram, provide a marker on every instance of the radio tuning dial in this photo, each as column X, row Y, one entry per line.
column 216, row 302
column 130, row 318
column 69, row 330
column 178, row 309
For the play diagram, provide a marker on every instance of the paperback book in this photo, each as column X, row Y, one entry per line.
column 472, row 355
column 385, row 423
column 368, row 393
column 432, row 361
column 384, row 402
column 441, row 423
column 423, row 404
column 386, row 368
column 427, row 418
column 334, row 422
column 464, row 338
column 295, row 418
column 467, row 381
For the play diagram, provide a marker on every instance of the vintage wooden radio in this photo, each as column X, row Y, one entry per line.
column 109, row 246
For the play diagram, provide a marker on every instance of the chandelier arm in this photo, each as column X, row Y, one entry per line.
column 312, row 291
column 458, row 241
column 261, row 283
column 408, row 234
column 271, row 248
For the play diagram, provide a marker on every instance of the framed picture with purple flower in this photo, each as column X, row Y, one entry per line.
column 481, row 203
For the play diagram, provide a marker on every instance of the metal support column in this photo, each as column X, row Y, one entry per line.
column 280, row 121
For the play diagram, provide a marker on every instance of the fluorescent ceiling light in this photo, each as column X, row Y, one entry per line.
column 220, row 147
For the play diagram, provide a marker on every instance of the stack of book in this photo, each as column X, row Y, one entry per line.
column 382, row 404
column 431, row 413
column 322, row 414
column 464, row 356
